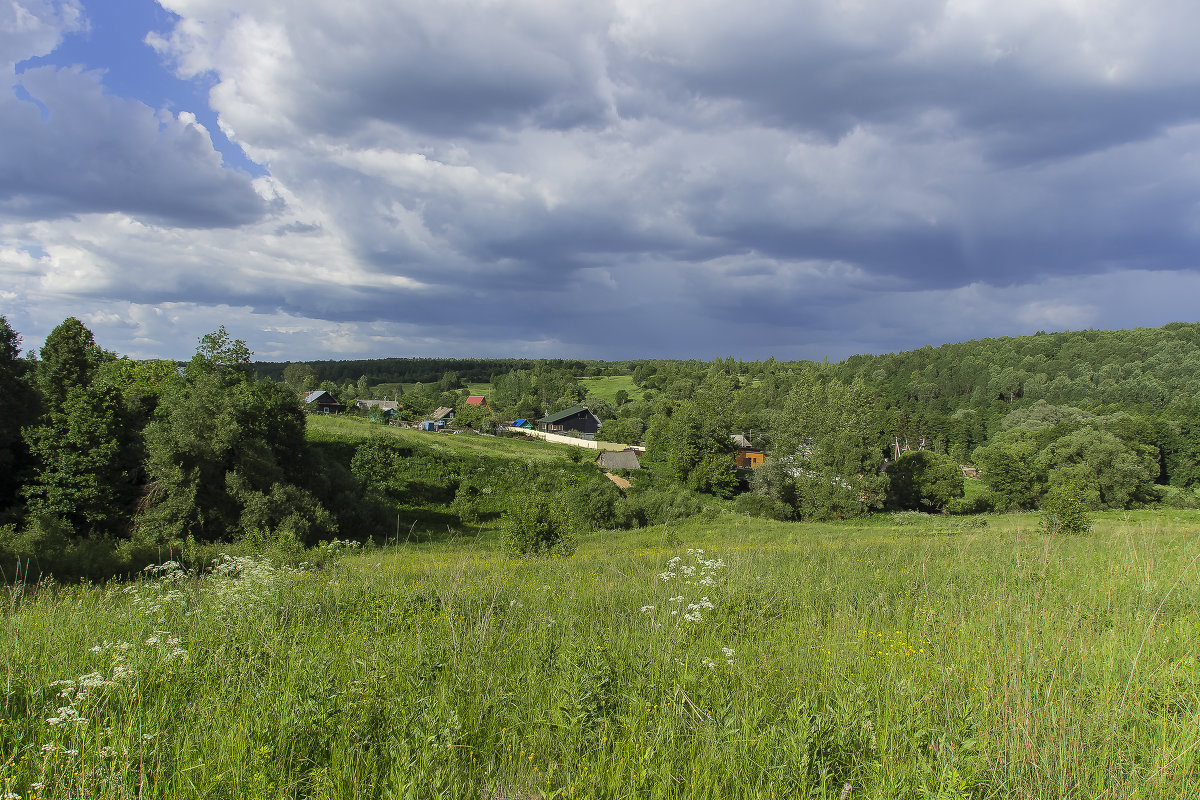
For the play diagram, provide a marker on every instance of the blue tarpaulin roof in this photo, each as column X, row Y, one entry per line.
column 517, row 423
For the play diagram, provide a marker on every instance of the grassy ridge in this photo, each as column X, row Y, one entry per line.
column 329, row 427
column 905, row 656
column 606, row 387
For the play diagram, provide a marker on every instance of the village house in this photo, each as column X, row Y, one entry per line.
column 384, row 409
column 748, row 457
column 576, row 419
column 478, row 400
column 322, row 403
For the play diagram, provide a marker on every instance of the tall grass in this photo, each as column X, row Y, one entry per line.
column 712, row 658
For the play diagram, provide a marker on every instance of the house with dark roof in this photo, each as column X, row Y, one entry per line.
column 618, row 459
column 322, row 403
column 576, row 419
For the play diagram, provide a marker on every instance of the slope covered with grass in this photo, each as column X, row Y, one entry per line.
column 718, row 658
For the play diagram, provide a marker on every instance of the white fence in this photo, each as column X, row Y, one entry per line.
column 590, row 444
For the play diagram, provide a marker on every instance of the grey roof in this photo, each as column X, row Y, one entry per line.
column 441, row 413
column 312, row 397
column 386, row 405
column 618, row 459
column 566, row 412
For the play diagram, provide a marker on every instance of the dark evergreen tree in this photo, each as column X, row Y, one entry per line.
column 76, row 446
column 20, row 406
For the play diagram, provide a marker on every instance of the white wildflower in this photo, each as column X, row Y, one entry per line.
column 647, row 609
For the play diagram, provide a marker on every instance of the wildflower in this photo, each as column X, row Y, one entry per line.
column 647, row 609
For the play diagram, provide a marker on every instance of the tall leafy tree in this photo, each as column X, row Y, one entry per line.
column 922, row 480
column 20, row 408
column 827, row 441
column 226, row 454
column 69, row 357
column 80, row 475
column 694, row 449
column 76, row 446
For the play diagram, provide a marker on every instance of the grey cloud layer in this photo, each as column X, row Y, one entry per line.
column 663, row 177
column 70, row 148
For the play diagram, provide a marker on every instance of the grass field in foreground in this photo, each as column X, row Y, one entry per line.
column 718, row 657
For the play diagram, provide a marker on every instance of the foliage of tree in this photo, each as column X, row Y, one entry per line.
column 692, row 448
column 921, row 480
column 68, row 359
column 77, row 450
column 300, row 376
column 828, row 445
column 78, row 474
column 20, row 403
column 1106, row 458
column 226, row 454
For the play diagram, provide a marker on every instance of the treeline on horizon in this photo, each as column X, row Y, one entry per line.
column 427, row 370
column 104, row 459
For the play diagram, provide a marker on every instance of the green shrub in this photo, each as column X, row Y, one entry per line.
column 921, row 480
column 596, row 505
column 979, row 504
column 763, row 507
column 535, row 525
column 1064, row 511
column 652, row 503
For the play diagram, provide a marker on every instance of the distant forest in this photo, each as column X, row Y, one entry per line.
column 425, row 370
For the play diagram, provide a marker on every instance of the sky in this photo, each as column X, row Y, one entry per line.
column 602, row 179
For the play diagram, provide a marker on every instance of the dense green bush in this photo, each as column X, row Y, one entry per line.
column 921, row 480
column 979, row 504
column 654, row 502
column 758, row 505
column 536, row 525
column 1065, row 511
column 596, row 505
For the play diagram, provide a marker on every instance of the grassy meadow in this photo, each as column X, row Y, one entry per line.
column 347, row 429
column 606, row 387
column 718, row 657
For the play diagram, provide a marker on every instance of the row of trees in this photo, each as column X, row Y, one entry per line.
column 143, row 455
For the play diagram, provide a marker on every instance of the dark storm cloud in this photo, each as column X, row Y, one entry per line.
column 71, row 149
column 630, row 178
